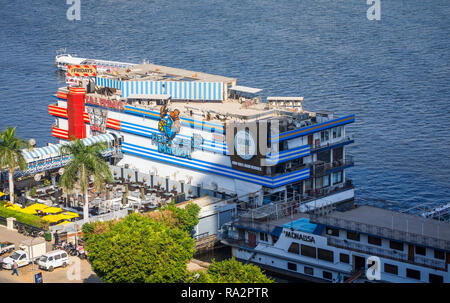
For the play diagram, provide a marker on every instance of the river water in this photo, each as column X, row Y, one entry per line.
column 393, row 74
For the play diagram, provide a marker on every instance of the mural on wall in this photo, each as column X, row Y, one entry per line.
column 169, row 122
column 169, row 125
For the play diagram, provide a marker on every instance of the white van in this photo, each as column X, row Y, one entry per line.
column 53, row 259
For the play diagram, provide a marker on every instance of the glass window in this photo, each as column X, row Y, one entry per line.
column 436, row 278
column 308, row 184
column 421, row 250
column 439, row 254
column 332, row 232
column 325, row 135
column 327, row 275
column 57, row 257
column 309, row 270
column 413, row 274
column 64, row 255
column 308, row 251
column 344, row 258
column 374, row 240
column 352, row 236
column 326, row 181
column 337, row 177
column 326, row 255
column 337, row 132
column 292, row 266
column 263, row 237
column 390, row 269
column 396, row 245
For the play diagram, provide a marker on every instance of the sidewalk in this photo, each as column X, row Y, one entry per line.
column 59, row 275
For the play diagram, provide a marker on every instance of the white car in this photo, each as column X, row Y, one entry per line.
column 53, row 259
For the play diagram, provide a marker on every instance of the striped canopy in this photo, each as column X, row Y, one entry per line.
column 53, row 150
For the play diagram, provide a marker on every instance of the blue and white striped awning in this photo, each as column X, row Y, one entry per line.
column 53, row 150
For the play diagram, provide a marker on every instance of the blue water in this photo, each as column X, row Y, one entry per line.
column 393, row 74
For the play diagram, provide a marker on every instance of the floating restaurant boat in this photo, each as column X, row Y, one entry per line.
column 207, row 131
column 362, row 244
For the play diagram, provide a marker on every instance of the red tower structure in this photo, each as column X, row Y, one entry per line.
column 75, row 112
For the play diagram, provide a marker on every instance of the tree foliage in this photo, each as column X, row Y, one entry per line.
column 138, row 249
column 231, row 271
column 185, row 218
column 86, row 161
column 11, row 156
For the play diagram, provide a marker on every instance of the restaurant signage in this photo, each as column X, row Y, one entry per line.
column 105, row 102
column 81, row 70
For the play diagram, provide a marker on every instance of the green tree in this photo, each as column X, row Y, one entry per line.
column 11, row 156
column 138, row 249
column 186, row 218
column 86, row 162
column 231, row 271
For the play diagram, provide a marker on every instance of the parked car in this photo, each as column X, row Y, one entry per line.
column 53, row 259
column 6, row 247
column 29, row 251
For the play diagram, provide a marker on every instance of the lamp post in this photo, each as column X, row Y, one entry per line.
column 32, row 261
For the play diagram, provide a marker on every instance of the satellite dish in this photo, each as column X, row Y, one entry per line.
column 61, row 171
column 37, row 177
column 32, row 142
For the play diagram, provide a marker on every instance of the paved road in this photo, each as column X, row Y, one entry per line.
column 79, row 271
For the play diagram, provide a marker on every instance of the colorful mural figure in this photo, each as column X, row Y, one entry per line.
column 169, row 122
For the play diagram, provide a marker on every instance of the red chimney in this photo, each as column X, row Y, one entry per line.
column 75, row 112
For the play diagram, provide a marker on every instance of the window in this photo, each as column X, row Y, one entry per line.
column 327, row 275
column 352, row 236
column 294, row 248
column 308, row 184
column 326, row 255
column 324, row 156
column 338, row 153
column 436, row 278
column 374, row 240
column 57, row 257
column 332, row 231
column 308, row 251
column 309, row 270
column 263, row 237
column 337, row 177
column 413, row 274
column 421, row 250
column 50, row 258
column 396, row 245
column 390, row 269
column 344, row 258
column 323, row 181
column 64, row 255
column 439, row 254
column 325, row 135
column 292, row 266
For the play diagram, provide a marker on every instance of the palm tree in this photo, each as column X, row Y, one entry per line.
column 87, row 162
column 11, row 156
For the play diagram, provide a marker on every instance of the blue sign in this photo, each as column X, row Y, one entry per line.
column 38, row 278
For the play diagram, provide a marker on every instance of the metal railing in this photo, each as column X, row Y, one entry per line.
column 387, row 253
column 323, row 144
column 319, row 169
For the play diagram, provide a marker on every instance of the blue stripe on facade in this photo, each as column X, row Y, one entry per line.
column 218, row 169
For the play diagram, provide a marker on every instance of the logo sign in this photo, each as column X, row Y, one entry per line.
column 105, row 102
column 81, row 70
column 299, row 236
column 244, row 145
column 38, row 278
column 169, row 125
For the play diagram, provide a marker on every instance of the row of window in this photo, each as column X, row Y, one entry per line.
column 324, row 181
column 336, row 132
column 311, row 252
column 310, row 271
column 412, row 273
column 396, row 245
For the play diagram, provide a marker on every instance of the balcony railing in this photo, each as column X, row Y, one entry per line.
column 382, row 231
column 386, row 253
column 320, row 168
column 322, row 144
